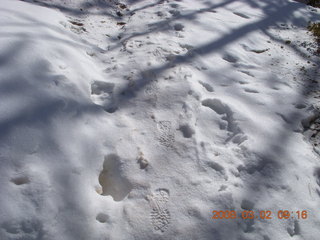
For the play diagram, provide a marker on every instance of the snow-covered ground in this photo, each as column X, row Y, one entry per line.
column 137, row 119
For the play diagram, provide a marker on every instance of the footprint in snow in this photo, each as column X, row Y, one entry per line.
column 160, row 215
column 166, row 134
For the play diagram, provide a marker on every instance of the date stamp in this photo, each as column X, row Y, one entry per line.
column 263, row 214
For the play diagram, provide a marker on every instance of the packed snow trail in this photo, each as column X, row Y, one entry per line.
column 138, row 119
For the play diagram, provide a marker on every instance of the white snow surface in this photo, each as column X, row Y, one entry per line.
column 136, row 119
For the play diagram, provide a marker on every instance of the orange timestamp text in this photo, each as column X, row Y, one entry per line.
column 263, row 214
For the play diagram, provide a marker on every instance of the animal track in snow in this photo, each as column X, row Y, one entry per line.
column 311, row 127
column 216, row 166
column 20, row 180
column 249, row 90
column 293, row 228
column 247, row 73
column 111, row 179
column 249, row 49
column 186, row 46
column 174, row 5
column 160, row 215
column 285, row 118
column 317, row 175
column 132, row 45
column 265, row 166
column 102, row 94
column 186, row 130
column 101, row 217
column 300, row 106
column 160, row 14
column 265, row 237
column 77, row 26
column 243, row 82
column 247, row 205
column 241, row 15
column 178, row 27
column 235, row 133
column 231, row 58
column 248, row 224
column 207, row 86
column 166, row 134
column 175, row 13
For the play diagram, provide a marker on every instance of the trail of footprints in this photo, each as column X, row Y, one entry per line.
column 160, row 215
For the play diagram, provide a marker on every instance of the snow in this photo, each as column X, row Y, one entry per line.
column 137, row 119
